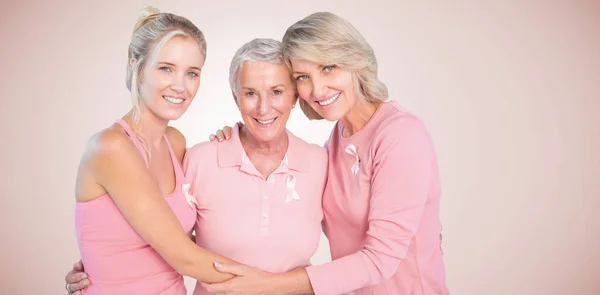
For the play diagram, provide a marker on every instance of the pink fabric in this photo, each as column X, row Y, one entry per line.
column 117, row 260
column 245, row 217
column 382, row 221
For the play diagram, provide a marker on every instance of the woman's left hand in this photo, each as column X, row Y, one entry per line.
column 247, row 281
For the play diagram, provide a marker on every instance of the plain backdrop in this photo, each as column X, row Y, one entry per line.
column 510, row 91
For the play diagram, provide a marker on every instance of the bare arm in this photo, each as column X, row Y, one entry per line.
column 117, row 166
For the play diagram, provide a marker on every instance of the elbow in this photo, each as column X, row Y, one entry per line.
column 182, row 260
column 384, row 269
column 182, row 265
column 387, row 274
column 389, row 269
column 382, row 275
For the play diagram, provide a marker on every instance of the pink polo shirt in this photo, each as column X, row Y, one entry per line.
column 381, row 207
column 273, row 224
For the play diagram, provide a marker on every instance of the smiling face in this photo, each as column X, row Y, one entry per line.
column 265, row 99
column 328, row 89
column 169, row 84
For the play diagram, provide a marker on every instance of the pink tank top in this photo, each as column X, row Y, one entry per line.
column 116, row 259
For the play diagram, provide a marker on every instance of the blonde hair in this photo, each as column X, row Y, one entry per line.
column 151, row 32
column 326, row 38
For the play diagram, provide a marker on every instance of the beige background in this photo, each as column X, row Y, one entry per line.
column 510, row 91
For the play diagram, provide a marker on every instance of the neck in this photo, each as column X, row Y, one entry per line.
column 253, row 145
column 358, row 117
column 150, row 127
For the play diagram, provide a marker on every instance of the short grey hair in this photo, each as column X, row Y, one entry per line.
column 259, row 49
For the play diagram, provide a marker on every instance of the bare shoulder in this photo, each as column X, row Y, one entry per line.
column 177, row 141
column 110, row 143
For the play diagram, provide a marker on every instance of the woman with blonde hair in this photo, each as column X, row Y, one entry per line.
column 381, row 201
column 133, row 219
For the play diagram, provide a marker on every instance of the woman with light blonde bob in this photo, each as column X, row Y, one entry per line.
column 381, row 201
column 132, row 216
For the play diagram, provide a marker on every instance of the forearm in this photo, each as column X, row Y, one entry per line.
column 198, row 263
column 293, row 282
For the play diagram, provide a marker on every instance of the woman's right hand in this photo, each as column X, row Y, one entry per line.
column 76, row 279
column 221, row 134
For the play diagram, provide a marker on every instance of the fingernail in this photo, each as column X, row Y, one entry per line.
column 82, row 276
column 76, row 293
column 85, row 282
column 218, row 265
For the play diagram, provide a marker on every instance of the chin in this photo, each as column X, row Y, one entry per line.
column 266, row 135
column 170, row 117
column 332, row 115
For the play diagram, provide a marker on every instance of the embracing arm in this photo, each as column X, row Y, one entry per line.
column 116, row 166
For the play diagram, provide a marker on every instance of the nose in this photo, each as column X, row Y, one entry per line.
column 178, row 83
column 319, row 88
column 264, row 104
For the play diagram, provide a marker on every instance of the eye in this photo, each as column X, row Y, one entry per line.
column 301, row 78
column 328, row 68
column 250, row 93
column 165, row 69
column 193, row 74
column 277, row 92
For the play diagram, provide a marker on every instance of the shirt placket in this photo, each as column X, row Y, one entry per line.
column 265, row 204
column 269, row 191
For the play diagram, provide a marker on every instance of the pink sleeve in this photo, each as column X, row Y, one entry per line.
column 404, row 166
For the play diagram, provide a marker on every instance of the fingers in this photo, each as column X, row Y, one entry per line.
column 234, row 269
column 227, row 132
column 78, row 266
column 79, row 285
column 76, row 277
column 218, row 288
column 221, row 134
column 218, row 136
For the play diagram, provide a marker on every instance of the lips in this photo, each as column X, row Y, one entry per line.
column 266, row 122
column 329, row 101
column 173, row 99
